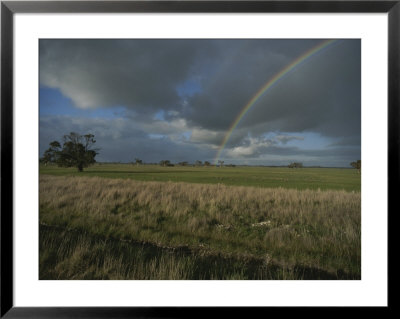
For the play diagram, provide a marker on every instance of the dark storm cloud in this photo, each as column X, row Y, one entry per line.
column 137, row 74
column 237, row 78
column 146, row 73
column 323, row 96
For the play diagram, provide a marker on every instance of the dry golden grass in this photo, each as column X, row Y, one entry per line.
column 289, row 228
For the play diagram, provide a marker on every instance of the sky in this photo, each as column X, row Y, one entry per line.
column 186, row 99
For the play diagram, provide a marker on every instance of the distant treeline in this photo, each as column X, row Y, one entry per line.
column 205, row 164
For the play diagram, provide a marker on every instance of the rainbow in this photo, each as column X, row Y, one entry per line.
column 267, row 86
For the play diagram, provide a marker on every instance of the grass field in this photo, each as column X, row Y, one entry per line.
column 148, row 222
column 268, row 177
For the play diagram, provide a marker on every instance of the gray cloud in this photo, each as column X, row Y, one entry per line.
column 123, row 140
column 286, row 138
column 277, row 155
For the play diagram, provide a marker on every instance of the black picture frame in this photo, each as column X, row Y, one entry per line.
column 9, row 8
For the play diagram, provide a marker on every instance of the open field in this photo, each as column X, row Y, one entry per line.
column 113, row 228
column 268, row 177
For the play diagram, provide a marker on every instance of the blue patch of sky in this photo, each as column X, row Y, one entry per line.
column 187, row 135
column 189, row 88
column 156, row 136
column 53, row 102
column 160, row 115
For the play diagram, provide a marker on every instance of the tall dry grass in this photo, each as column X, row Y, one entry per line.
column 77, row 256
column 289, row 228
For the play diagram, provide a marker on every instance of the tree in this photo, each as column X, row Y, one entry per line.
column 198, row 163
column 207, row 163
column 221, row 163
column 138, row 161
column 356, row 165
column 76, row 151
column 166, row 163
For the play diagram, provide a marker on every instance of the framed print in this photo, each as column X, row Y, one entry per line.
column 159, row 156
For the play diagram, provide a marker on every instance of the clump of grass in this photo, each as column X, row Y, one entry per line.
column 293, row 229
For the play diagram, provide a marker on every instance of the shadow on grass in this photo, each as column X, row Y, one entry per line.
column 76, row 255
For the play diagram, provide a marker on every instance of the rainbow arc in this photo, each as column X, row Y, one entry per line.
column 278, row 76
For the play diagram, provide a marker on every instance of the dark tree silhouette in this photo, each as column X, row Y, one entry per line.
column 183, row 163
column 138, row 161
column 356, row 165
column 76, row 151
column 166, row 163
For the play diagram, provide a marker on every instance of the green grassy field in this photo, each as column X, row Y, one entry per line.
column 148, row 222
column 268, row 177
